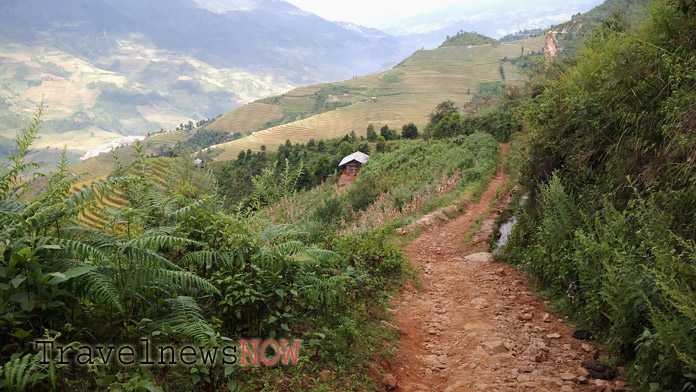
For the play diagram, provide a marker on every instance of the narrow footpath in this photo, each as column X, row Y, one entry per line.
column 476, row 325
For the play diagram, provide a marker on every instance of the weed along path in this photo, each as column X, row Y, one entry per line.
column 476, row 325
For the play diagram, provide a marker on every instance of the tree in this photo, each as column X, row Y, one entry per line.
column 364, row 147
column 381, row 144
column 448, row 126
column 409, row 131
column 388, row 134
column 345, row 148
column 371, row 134
column 441, row 110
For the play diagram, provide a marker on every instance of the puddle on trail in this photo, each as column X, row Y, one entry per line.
column 505, row 230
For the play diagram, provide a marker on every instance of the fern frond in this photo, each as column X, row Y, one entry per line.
column 21, row 373
column 146, row 258
column 160, row 230
column 322, row 255
column 70, row 248
column 96, row 285
column 157, row 242
column 185, row 211
column 89, row 193
column 207, row 258
column 183, row 316
column 290, row 248
column 9, row 207
column 100, row 288
column 167, row 279
column 96, row 238
column 271, row 232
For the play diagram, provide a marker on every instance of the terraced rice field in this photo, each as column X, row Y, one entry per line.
column 94, row 217
column 167, row 138
column 103, row 164
column 248, row 117
column 407, row 93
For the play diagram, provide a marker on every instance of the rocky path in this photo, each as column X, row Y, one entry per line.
column 476, row 325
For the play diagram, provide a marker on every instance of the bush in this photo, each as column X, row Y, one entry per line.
column 381, row 144
column 361, row 196
column 608, row 227
column 330, row 210
column 388, row 134
column 372, row 253
column 409, row 131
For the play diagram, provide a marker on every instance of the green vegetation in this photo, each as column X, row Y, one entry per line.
column 464, row 38
column 499, row 117
column 409, row 131
column 607, row 162
column 169, row 264
column 275, row 244
column 522, row 34
column 486, row 91
column 402, row 180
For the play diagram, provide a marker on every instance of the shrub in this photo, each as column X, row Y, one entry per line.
column 372, row 253
column 409, row 131
column 330, row 210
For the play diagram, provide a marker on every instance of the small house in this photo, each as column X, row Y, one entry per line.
column 199, row 163
column 353, row 163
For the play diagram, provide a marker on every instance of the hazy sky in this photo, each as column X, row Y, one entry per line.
column 372, row 13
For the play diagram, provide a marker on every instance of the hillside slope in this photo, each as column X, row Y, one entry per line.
column 607, row 223
column 406, row 93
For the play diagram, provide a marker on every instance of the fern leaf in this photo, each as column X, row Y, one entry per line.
column 290, row 248
column 77, row 249
column 146, row 258
column 185, row 211
column 157, row 242
column 184, row 316
column 322, row 255
column 89, row 193
column 167, row 279
column 21, row 373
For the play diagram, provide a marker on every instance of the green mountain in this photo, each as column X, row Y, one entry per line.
column 464, row 38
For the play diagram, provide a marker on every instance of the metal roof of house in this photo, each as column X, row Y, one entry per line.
column 356, row 156
column 198, row 161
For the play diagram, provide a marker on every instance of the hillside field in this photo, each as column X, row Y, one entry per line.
column 406, row 93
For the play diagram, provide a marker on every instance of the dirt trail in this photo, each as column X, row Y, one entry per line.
column 476, row 326
column 550, row 47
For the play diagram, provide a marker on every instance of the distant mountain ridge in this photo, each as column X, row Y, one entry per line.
column 494, row 18
column 266, row 34
column 122, row 67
